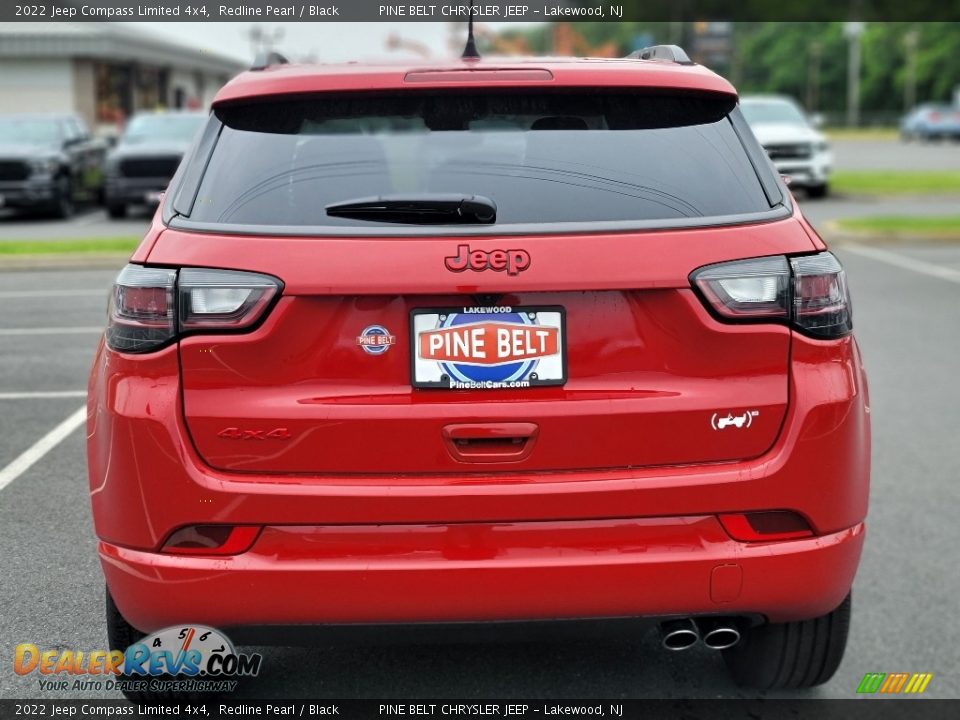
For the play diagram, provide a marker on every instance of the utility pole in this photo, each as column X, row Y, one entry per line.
column 813, row 76
column 911, row 40
column 853, row 31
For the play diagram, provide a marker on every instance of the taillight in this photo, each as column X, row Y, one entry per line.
column 223, row 299
column 745, row 289
column 141, row 316
column 809, row 292
column 821, row 301
column 151, row 306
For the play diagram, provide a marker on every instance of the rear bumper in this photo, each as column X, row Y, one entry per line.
column 303, row 575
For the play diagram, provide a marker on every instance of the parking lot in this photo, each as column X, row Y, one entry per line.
column 905, row 300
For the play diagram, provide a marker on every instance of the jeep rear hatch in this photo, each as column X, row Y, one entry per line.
column 533, row 343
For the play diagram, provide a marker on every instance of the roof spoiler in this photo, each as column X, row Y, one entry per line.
column 268, row 59
column 670, row 53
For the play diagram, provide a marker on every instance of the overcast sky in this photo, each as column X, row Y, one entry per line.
column 324, row 41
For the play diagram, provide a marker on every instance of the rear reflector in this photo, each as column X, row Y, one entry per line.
column 212, row 540
column 765, row 526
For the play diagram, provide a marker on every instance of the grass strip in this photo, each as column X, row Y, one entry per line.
column 896, row 182
column 91, row 245
column 903, row 224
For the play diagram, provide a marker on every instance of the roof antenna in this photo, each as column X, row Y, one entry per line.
column 470, row 49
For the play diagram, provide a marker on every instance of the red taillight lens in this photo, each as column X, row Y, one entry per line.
column 151, row 306
column 765, row 526
column 141, row 316
column 821, row 301
column 810, row 292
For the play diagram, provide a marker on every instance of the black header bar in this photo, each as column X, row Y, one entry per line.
column 483, row 10
column 460, row 709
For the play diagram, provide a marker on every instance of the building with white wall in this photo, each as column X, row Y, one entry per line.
column 103, row 71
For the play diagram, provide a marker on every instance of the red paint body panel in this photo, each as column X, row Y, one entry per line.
column 635, row 396
column 292, row 79
column 415, row 266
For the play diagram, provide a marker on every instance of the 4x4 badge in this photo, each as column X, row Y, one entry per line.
column 513, row 261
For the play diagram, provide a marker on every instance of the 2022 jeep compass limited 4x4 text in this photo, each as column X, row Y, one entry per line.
column 479, row 342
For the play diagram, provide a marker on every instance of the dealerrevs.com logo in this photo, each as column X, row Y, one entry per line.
column 190, row 658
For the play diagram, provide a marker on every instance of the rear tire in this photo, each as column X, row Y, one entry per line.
column 62, row 207
column 791, row 655
column 122, row 635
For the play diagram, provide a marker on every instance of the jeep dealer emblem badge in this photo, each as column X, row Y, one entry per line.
column 513, row 262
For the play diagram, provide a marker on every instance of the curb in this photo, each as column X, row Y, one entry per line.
column 64, row 261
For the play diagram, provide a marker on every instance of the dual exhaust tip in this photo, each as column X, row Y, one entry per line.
column 716, row 633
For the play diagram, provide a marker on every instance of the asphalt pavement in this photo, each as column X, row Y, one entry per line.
column 892, row 154
column 905, row 596
column 89, row 222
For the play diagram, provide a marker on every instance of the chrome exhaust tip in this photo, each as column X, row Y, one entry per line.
column 718, row 634
column 679, row 635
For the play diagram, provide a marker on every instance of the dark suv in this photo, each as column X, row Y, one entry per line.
column 48, row 163
column 141, row 166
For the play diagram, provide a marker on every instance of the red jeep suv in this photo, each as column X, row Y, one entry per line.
column 484, row 341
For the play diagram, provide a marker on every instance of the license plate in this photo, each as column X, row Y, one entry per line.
column 488, row 348
column 153, row 198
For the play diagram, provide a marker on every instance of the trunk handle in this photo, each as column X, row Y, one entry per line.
column 490, row 442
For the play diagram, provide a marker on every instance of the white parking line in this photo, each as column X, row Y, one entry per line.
column 52, row 330
column 48, row 395
column 52, row 293
column 903, row 261
column 41, row 447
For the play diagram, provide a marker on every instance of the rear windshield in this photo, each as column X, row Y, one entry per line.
column 542, row 157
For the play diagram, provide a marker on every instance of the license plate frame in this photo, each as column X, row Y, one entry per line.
column 505, row 375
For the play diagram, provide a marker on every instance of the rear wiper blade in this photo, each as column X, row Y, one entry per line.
column 426, row 209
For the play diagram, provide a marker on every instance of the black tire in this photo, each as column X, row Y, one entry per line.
column 818, row 191
column 122, row 635
column 62, row 206
column 791, row 655
column 117, row 211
